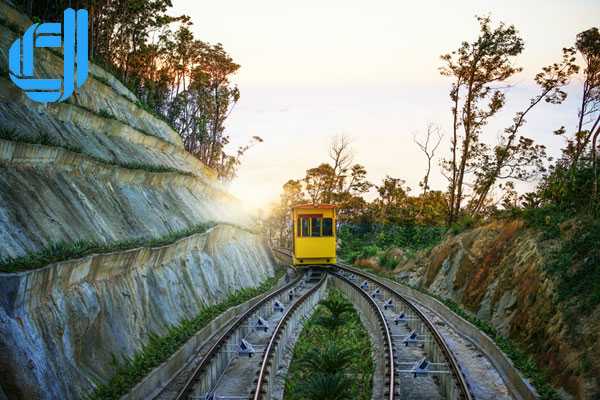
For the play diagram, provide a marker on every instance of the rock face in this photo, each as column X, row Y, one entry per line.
column 497, row 272
column 102, row 169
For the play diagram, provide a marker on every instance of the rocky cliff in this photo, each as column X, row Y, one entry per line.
column 498, row 272
column 100, row 169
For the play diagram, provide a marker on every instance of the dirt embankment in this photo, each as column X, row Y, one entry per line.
column 498, row 272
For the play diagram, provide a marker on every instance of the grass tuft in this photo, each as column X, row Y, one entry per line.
column 63, row 251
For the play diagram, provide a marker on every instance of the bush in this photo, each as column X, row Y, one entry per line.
column 546, row 219
column 369, row 251
column 387, row 261
column 368, row 240
column 576, row 267
column 465, row 222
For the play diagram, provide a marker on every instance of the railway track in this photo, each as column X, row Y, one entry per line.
column 388, row 351
column 252, row 346
column 422, row 365
column 243, row 361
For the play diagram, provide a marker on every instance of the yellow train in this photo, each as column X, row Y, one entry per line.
column 314, row 234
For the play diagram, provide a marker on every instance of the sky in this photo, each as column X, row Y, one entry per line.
column 369, row 70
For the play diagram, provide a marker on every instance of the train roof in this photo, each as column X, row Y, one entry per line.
column 313, row 206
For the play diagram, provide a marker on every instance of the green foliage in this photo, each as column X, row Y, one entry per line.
column 546, row 219
column 369, row 240
column 369, row 250
column 8, row 133
column 329, row 359
column 130, row 371
column 575, row 264
column 320, row 386
column 106, row 114
column 331, row 364
column 387, row 261
column 462, row 224
column 569, row 188
column 337, row 309
column 63, row 251
column 576, row 267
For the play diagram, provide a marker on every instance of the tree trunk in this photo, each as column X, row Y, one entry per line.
column 580, row 147
column 452, row 187
column 595, row 165
column 465, row 150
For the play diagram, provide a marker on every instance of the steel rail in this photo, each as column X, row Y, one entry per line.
column 266, row 361
column 453, row 364
column 386, row 331
column 455, row 369
column 185, row 392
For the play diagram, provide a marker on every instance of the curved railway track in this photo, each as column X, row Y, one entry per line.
column 390, row 392
column 437, row 344
column 263, row 389
column 460, row 389
column 228, row 371
column 207, row 376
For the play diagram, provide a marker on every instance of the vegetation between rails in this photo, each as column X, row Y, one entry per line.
column 130, row 371
column 46, row 140
column 63, row 251
column 332, row 358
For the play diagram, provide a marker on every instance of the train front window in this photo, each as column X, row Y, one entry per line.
column 327, row 226
column 305, row 227
column 315, row 227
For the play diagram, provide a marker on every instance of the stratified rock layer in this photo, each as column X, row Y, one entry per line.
column 62, row 325
column 102, row 169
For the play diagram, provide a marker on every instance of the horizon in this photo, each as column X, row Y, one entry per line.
column 304, row 87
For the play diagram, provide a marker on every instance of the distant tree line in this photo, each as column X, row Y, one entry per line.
column 344, row 183
column 185, row 81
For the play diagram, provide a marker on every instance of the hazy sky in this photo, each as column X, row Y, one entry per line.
column 369, row 70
